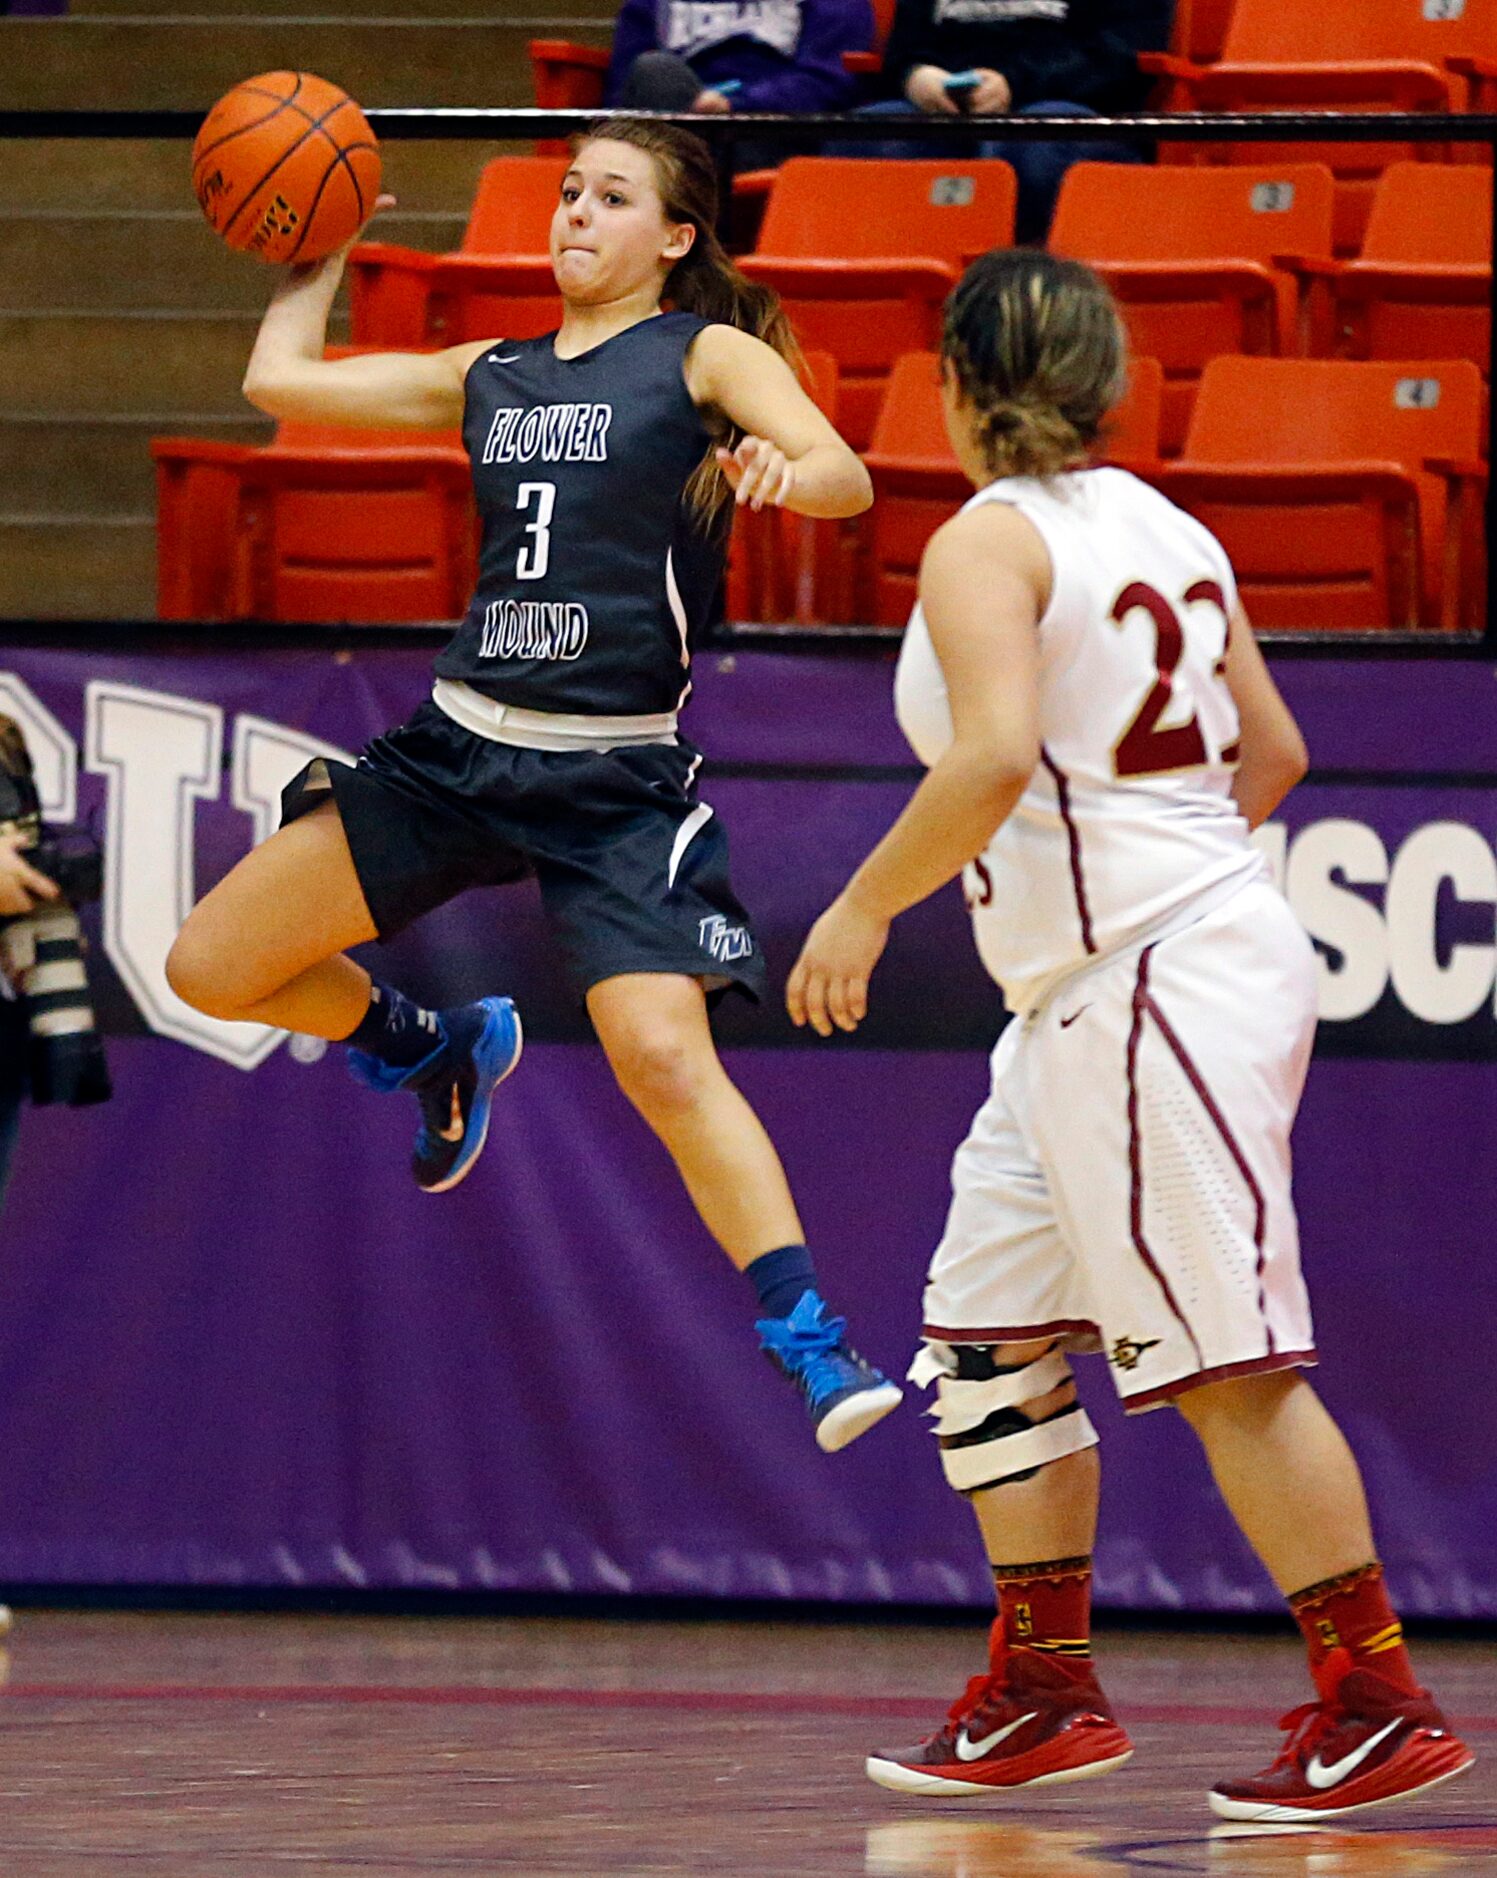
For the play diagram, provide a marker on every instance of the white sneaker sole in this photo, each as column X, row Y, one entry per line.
column 900, row 1779
column 856, row 1416
column 1261, row 1814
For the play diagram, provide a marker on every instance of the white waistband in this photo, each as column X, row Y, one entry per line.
column 1042, row 991
column 546, row 730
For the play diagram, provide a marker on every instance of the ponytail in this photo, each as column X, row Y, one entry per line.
column 704, row 281
column 1041, row 358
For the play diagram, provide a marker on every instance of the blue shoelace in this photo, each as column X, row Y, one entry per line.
column 807, row 1346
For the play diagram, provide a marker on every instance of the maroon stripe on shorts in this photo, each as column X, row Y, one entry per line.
column 1208, row 1102
column 1010, row 1333
column 1073, row 838
column 1223, row 1372
column 1135, row 1154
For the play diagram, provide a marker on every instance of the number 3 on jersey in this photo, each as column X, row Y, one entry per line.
column 535, row 556
column 1146, row 748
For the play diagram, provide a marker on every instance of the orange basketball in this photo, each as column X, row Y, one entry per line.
column 286, row 167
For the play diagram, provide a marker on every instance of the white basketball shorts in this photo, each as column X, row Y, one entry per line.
column 1126, row 1186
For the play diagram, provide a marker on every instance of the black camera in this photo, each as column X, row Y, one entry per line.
column 41, row 952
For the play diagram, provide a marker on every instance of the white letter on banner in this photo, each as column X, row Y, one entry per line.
column 266, row 757
column 1441, row 851
column 161, row 754
column 54, row 755
column 1339, row 918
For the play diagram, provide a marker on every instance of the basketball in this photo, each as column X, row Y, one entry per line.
column 286, row 167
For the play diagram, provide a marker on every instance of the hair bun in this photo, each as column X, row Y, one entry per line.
column 1039, row 354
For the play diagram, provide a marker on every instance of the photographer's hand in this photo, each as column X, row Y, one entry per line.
column 21, row 886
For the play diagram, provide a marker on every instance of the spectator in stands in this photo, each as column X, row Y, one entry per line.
column 736, row 55
column 1040, row 58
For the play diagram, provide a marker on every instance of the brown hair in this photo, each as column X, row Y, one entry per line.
column 704, row 281
column 1039, row 354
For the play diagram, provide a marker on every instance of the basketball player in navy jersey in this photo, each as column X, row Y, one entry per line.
column 606, row 459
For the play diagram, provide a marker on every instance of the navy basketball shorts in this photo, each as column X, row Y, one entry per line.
column 632, row 867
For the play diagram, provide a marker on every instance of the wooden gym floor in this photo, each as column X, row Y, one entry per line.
column 168, row 1746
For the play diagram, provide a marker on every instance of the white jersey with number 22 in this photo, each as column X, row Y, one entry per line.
column 1128, row 821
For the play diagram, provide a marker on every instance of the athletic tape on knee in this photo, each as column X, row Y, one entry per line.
column 962, row 1405
column 981, row 1422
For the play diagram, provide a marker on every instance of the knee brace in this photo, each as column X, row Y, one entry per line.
column 985, row 1434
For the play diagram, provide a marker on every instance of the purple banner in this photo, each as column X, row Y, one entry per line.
column 238, row 1348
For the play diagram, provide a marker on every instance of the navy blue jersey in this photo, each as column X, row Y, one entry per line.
column 594, row 575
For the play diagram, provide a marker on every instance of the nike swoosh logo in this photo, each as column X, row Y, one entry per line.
column 508, row 359
column 454, row 1129
column 1066, row 1022
column 969, row 1750
column 1320, row 1777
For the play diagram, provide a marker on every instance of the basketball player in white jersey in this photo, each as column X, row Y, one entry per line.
column 1102, row 734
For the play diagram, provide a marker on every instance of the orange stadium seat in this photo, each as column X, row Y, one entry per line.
column 324, row 524
column 1340, row 55
column 750, row 187
column 498, row 285
column 1348, row 494
column 918, row 483
column 566, row 76
column 1199, row 29
column 786, row 568
column 1423, row 282
column 1198, row 259
column 1131, row 439
column 864, row 252
column 868, row 64
column 1400, row 55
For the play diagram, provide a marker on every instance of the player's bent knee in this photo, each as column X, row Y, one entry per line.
column 999, row 1420
column 662, row 1073
column 203, row 976
column 193, row 972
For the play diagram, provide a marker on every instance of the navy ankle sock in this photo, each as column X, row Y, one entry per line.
column 781, row 1278
column 397, row 1031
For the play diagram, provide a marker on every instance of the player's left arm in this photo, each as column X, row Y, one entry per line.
column 790, row 456
column 984, row 584
column 1274, row 757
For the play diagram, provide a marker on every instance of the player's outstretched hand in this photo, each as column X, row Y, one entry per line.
column 829, row 986
column 758, row 472
column 300, row 272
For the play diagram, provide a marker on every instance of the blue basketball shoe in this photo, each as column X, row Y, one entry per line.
column 845, row 1395
column 455, row 1086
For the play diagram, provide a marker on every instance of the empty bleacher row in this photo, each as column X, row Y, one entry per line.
column 1325, row 414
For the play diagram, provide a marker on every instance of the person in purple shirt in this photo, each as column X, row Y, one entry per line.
column 721, row 56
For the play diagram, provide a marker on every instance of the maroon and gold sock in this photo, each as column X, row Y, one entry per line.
column 1352, row 1613
column 1046, row 1608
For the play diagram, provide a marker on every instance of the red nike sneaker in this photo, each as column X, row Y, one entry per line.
column 1032, row 1721
column 1365, row 1742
